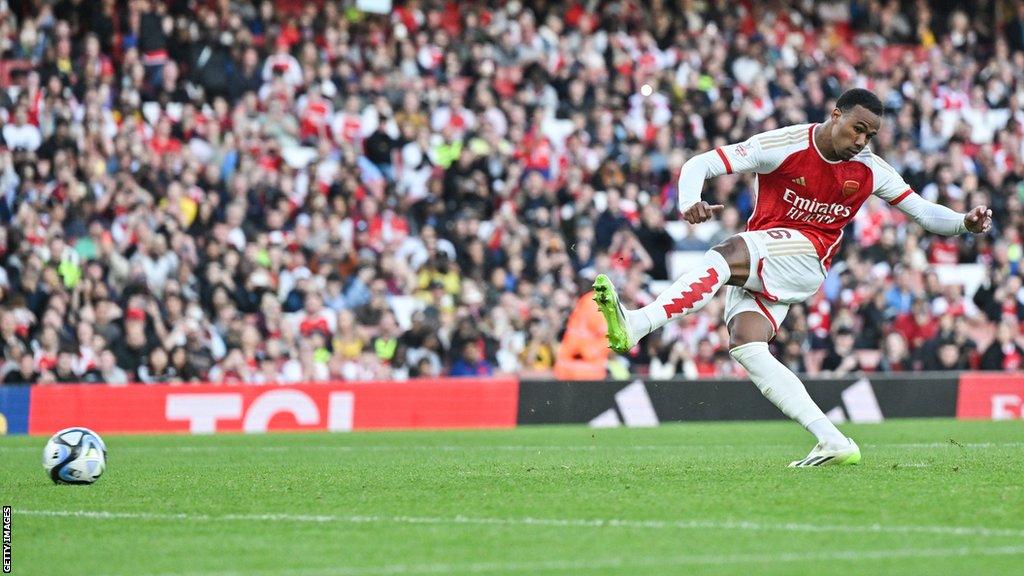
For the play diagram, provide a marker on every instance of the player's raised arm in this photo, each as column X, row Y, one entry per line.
column 761, row 153
column 935, row 218
column 939, row 219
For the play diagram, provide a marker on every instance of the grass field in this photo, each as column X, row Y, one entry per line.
column 931, row 497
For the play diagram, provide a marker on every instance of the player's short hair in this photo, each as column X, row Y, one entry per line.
column 862, row 97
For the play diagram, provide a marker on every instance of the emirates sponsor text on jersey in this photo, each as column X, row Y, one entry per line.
column 810, row 210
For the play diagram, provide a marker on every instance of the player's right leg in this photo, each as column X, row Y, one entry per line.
column 728, row 262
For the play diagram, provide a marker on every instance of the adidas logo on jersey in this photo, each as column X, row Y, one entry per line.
column 800, row 181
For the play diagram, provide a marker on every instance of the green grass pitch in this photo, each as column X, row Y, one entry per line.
column 931, row 497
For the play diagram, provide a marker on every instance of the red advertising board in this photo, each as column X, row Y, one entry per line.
column 990, row 397
column 430, row 404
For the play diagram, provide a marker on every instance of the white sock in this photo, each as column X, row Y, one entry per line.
column 688, row 294
column 785, row 390
column 827, row 433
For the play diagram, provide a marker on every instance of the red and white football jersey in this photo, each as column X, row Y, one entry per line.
column 798, row 188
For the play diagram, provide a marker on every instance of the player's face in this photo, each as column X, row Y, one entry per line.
column 853, row 130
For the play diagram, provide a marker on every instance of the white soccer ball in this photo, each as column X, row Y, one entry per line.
column 75, row 456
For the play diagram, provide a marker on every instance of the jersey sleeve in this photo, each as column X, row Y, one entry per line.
column 889, row 185
column 761, row 153
column 933, row 217
column 749, row 156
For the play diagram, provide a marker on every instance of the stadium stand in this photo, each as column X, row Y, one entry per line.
column 264, row 191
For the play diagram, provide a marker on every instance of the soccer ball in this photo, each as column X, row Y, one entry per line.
column 75, row 456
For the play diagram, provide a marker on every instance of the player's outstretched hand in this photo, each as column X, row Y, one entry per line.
column 979, row 219
column 702, row 212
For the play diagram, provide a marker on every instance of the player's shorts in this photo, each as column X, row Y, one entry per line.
column 784, row 270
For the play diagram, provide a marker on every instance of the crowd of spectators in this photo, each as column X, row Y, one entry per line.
column 282, row 191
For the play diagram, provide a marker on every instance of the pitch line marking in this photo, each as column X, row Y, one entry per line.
column 979, row 531
column 570, row 565
column 525, row 448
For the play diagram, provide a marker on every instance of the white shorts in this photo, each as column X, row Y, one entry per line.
column 784, row 270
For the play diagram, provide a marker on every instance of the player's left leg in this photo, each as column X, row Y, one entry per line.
column 749, row 334
column 727, row 263
column 785, row 270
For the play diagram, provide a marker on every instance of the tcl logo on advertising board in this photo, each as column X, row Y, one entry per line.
column 204, row 411
column 991, row 396
column 450, row 403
